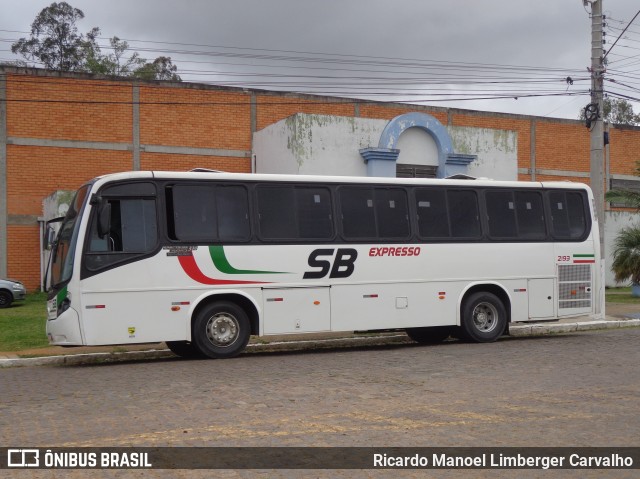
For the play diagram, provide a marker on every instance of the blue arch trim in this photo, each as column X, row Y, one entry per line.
column 397, row 126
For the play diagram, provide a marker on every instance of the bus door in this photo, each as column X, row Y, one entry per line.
column 119, row 287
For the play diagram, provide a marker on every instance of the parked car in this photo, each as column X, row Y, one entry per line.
column 10, row 291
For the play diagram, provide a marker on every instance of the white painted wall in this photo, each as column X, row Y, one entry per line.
column 315, row 145
column 329, row 145
column 497, row 151
column 417, row 147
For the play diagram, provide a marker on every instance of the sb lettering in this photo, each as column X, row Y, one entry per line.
column 323, row 262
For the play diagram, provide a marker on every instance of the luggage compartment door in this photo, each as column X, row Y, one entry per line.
column 296, row 310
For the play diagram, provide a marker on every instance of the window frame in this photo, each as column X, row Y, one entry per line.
column 121, row 191
column 377, row 238
column 295, row 187
column 169, row 212
column 588, row 225
column 518, row 238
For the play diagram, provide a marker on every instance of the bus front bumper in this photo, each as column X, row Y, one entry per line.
column 65, row 329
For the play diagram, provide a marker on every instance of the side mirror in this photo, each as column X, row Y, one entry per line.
column 50, row 232
column 104, row 218
column 50, row 237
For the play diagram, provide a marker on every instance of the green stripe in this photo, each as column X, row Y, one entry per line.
column 221, row 262
column 584, row 256
column 61, row 296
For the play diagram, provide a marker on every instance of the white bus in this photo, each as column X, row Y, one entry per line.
column 204, row 260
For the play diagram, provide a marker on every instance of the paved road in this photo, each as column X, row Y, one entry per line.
column 578, row 389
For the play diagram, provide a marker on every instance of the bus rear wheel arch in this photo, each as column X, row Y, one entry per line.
column 483, row 317
column 220, row 329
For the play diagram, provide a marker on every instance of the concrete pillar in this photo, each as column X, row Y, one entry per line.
column 380, row 161
column 3, row 176
column 136, row 126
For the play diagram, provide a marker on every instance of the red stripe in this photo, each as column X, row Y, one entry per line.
column 190, row 267
column 584, row 261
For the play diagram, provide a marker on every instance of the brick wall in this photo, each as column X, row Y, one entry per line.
column 65, row 129
column 195, row 118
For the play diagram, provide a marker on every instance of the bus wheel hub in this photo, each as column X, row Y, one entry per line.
column 222, row 330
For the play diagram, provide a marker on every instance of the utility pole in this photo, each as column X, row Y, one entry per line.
column 597, row 126
column 597, row 139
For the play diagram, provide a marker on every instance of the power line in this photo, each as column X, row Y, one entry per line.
column 622, row 33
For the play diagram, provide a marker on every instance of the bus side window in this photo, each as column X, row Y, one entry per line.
column 233, row 213
column 358, row 216
column 313, row 211
column 133, row 228
column 463, row 214
column 433, row 221
column 194, row 214
column 501, row 212
column 276, row 212
column 530, row 214
column 133, row 231
column 568, row 220
column 392, row 213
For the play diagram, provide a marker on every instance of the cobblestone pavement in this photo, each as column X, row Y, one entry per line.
column 578, row 389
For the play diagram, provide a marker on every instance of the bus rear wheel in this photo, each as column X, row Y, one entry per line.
column 221, row 330
column 484, row 318
column 432, row 335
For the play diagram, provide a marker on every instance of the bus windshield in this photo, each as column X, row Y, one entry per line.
column 64, row 248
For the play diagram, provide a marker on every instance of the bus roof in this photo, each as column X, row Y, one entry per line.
column 268, row 177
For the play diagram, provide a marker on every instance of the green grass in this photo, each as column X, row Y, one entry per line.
column 621, row 299
column 618, row 290
column 22, row 325
column 620, row 296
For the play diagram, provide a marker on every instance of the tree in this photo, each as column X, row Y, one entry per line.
column 626, row 256
column 56, row 43
column 617, row 112
column 115, row 63
column 160, row 69
column 620, row 112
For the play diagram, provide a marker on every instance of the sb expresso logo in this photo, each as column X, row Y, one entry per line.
column 324, row 263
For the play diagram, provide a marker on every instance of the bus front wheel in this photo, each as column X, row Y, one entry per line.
column 484, row 318
column 221, row 330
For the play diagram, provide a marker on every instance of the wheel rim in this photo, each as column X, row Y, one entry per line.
column 485, row 317
column 4, row 300
column 222, row 329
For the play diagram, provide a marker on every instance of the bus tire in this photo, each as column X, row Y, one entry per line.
column 483, row 318
column 221, row 330
column 184, row 349
column 433, row 335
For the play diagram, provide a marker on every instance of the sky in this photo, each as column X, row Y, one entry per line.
column 455, row 53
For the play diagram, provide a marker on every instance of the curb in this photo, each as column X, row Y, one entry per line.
column 514, row 331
